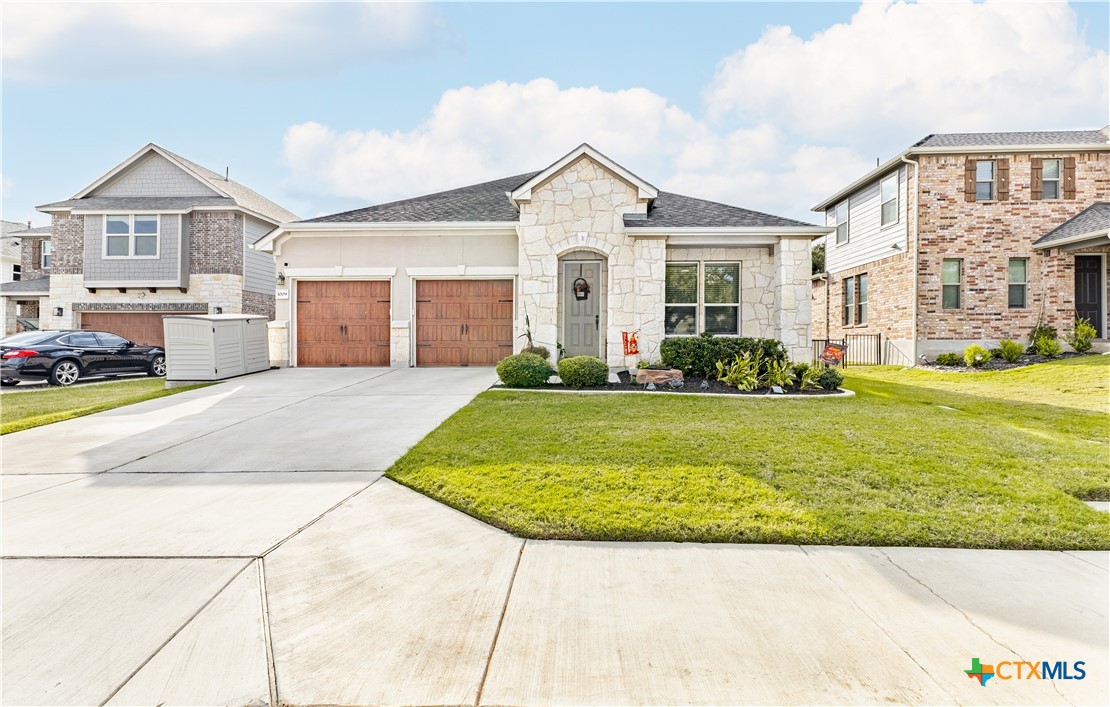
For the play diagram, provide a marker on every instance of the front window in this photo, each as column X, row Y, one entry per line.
column 46, row 255
column 1019, row 282
column 1050, row 179
column 131, row 236
column 952, row 274
column 849, row 299
column 861, row 299
column 984, row 180
column 888, row 196
column 841, row 216
column 702, row 297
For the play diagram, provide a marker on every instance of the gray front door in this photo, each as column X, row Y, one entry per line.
column 582, row 308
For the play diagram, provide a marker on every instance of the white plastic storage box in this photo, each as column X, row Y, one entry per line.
column 208, row 347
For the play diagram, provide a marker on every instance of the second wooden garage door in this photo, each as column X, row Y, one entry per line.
column 140, row 327
column 463, row 322
column 343, row 323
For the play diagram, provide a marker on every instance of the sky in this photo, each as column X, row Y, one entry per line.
column 326, row 107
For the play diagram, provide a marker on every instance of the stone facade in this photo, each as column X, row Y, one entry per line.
column 400, row 344
column 757, row 283
column 215, row 242
column 278, row 334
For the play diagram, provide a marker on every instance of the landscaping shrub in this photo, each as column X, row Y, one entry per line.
column 830, row 379
column 780, row 373
column 697, row 356
column 1010, row 350
column 1082, row 336
column 976, row 356
column 1041, row 330
column 949, row 359
column 540, row 351
column 743, row 372
column 523, row 370
column 805, row 376
column 1046, row 346
column 583, row 372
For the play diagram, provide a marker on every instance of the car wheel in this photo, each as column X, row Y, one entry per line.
column 64, row 373
column 157, row 367
column 9, row 382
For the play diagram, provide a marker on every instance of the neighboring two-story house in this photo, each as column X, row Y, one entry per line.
column 26, row 260
column 969, row 239
column 156, row 235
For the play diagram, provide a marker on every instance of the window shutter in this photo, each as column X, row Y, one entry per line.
column 1003, row 179
column 1036, row 172
column 36, row 253
column 969, row 180
column 1069, row 177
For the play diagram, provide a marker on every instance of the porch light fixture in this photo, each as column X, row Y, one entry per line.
column 57, row 311
column 281, row 279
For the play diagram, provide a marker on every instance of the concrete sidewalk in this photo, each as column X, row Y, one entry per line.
column 155, row 581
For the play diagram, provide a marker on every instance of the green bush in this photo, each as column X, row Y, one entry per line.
column 830, row 379
column 1010, row 350
column 540, row 351
column 523, row 370
column 780, row 373
column 1041, row 331
column 805, row 376
column 583, row 372
column 1046, row 346
column 743, row 372
column 1082, row 336
column 949, row 359
column 976, row 356
column 697, row 356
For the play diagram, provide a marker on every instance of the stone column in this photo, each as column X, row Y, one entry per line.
column 650, row 284
column 278, row 334
column 7, row 318
column 792, row 296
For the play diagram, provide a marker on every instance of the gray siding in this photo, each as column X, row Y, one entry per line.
column 154, row 175
column 867, row 241
column 139, row 270
column 185, row 235
column 259, row 270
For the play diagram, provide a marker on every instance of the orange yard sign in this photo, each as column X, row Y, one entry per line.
column 833, row 354
column 630, row 346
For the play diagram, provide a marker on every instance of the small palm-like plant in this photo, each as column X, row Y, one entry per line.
column 778, row 372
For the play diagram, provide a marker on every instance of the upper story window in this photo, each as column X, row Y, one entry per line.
column 708, row 293
column 888, row 197
column 1051, row 173
column 17, row 273
column 46, row 255
column 841, row 216
column 984, row 180
column 131, row 236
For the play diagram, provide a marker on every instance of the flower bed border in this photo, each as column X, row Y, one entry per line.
column 839, row 394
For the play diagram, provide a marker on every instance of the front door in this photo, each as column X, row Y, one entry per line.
column 1088, row 290
column 582, row 308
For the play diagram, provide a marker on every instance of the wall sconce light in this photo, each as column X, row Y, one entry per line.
column 281, row 279
column 57, row 311
column 217, row 310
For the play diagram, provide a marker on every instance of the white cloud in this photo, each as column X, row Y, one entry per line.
column 45, row 41
column 900, row 71
column 500, row 129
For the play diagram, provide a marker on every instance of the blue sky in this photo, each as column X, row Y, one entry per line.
column 329, row 107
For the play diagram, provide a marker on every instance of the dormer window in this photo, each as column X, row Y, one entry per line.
column 841, row 216
column 131, row 236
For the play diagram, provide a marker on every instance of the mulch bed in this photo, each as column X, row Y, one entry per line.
column 998, row 364
column 691, row 385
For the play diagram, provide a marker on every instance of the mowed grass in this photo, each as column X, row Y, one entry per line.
column 924, row 460
column 23, row 410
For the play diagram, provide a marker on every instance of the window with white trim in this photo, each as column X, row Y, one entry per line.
column 861, row 298
column 702, row 297
column 841, row 216
column 46, row 252
column 17, row 273
column 951, row 280
column 1050, row 179
column 1019, row 283
column 849, row 299
column 888, row 198
column 131, row 236
column 984, row 180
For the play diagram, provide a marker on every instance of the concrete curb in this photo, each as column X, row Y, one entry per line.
column 786, row 396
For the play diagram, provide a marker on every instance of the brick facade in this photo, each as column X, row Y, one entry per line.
column 215, row 242
column 889, row 304
column 68, row 238
column 30, row 258
column 259, row 303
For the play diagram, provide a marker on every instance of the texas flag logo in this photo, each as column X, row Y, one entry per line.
column 980, row 672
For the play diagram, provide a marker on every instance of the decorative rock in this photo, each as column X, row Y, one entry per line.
column 704, row 385
column 649, row 386
column 648, row 375
column 676, row 383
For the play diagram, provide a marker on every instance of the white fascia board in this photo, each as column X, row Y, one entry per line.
column 1103, row 233
column 726, row 236
column 408, row 228
column 889, row 165
column 644, row 189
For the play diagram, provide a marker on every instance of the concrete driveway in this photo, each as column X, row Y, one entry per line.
column 237, row 545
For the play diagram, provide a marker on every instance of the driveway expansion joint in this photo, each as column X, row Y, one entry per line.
column 500, row 623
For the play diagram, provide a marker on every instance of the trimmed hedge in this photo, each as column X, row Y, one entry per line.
column 583, row 372
column 523, row 370
column 697, row 356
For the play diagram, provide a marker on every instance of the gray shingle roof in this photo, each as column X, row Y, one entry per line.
column 488, row 202
column 36, row 286
column 478, row 202
column 247, row 198
column 139, row 203
column 678, row 211
column 1040, row 137
column 38, row 231
column 1093, row 219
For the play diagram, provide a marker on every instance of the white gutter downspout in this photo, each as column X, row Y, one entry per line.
column 916, row 277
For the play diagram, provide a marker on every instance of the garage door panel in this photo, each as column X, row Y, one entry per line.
column 463, row 322
column 343, row 322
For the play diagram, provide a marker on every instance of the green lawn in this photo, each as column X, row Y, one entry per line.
column 916, row 458
column 22, row 410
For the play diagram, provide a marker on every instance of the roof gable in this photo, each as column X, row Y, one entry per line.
column 152, row 174
column 644, row 189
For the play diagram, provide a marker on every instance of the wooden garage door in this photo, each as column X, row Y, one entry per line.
column 343, row 323
column 463, row 322
column 141, row 327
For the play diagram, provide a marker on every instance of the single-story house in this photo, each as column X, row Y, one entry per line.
column 582, row 254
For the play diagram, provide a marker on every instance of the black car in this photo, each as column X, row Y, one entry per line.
column 62, row 357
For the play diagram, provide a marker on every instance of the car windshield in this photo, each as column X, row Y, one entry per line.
column 28, row 338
